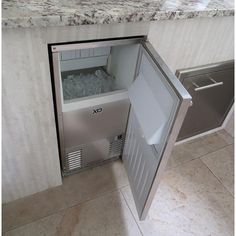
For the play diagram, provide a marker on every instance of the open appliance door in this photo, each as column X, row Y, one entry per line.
column 159, row 104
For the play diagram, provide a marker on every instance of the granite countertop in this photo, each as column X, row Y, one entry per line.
column 44, row 13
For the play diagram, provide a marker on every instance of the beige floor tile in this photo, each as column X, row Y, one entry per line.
column 105, row 216
column 217, row 140
column 221, row 163
column 196, row 148
column 226, row 136
column 94, row 182
column 189, row 201
column 44, row 227
column 31, row 208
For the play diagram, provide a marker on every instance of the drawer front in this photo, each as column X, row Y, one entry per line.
column 213, row 96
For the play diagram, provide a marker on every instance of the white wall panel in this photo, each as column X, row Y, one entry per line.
column 193, row 42
column 30, row 156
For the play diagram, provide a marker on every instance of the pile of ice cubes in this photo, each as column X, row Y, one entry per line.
column 83, row 85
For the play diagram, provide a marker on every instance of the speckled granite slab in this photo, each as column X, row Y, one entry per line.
column 44, row 13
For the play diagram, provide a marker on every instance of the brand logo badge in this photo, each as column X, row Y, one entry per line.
column 98, row 110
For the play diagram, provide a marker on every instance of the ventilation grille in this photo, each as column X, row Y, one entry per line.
column 116, row 146
column 74, row 159
column 93, row 154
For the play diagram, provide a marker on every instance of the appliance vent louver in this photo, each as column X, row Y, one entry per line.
column 116, row 146
column 74, row 159
column 93, row 154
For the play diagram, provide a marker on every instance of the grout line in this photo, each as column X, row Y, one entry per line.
column 183, row 163
column 199, row 157
column 97, row 196
column 217, row 149
column 34, row 220
column 119, row 189
column 67, row 206
column 64, row 209
column 93, row 198
column 131, row 212
column 217, row 178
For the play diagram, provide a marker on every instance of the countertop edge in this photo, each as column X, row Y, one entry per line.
column 78, row 20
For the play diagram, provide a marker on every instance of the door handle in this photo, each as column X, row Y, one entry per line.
column 214, row 84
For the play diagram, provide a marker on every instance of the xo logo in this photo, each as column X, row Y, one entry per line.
column 97, row 110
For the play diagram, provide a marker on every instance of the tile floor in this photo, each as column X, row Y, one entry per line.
column 195, row 197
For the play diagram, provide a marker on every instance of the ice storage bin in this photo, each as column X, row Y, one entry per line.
column 84, row 83
column 83, row 73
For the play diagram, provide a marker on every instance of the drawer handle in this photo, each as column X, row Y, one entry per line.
column 215, row 84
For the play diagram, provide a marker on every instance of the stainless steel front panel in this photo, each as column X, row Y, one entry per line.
column 94, row 123
column 212, row 90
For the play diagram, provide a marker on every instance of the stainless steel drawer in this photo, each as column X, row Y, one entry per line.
column 212, row 91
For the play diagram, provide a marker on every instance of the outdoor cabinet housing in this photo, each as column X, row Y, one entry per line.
column 117, row 98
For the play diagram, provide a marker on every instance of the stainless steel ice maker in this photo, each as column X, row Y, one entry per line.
column 134, row 110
